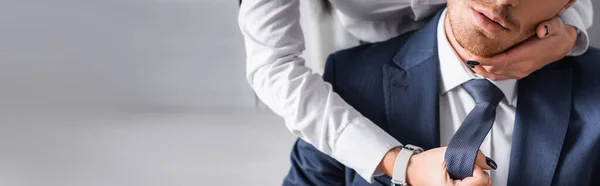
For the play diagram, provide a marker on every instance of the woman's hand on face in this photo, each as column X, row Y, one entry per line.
column 553, row 42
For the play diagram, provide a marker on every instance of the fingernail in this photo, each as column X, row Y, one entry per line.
column 547, row 30
column 472, row 64
column 491, row 163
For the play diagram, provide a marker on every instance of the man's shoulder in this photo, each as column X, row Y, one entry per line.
column 589, row 62
column 586, row 71
column 591, row 55
column 356, row 65
column 379, row 52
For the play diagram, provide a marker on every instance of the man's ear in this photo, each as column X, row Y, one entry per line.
column 571, row 2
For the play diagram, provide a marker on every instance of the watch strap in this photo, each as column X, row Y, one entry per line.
column 400, row 167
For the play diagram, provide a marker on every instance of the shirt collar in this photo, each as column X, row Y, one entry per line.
column 454, row 72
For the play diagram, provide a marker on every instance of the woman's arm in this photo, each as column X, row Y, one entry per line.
column 312, row 111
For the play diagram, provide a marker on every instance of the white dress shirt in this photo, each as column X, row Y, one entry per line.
column 311, row 110
column 456, row 103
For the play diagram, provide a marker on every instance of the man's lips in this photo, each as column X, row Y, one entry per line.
column 493, row 17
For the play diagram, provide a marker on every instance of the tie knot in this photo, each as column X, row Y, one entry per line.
column 483, row 91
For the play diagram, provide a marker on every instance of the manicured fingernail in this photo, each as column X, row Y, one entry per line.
column 547, row 30
column 491, row 163
column 472, row 64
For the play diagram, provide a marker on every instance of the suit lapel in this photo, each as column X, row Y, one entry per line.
column 411, row 89
column 543, row 113
column 411, row 99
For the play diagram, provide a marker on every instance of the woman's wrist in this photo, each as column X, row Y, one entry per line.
column 572, row 33
column 386, row 165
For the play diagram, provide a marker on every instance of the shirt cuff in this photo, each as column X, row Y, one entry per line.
column 362, row 145
column 571, row 17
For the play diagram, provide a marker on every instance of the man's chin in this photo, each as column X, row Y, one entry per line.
column 486, row 52
column 479, row 46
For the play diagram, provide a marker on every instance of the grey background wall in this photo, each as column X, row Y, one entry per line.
column 595, row 30
column 133, row 93
column 121, row 54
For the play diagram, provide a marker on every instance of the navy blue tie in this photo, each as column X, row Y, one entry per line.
column 464, row 145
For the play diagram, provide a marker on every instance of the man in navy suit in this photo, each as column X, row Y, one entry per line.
column 421, row 88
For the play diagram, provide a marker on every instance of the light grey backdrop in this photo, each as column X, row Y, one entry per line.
column 121, row 54
column 130, row 93
column 595, row 30
column 133, row 93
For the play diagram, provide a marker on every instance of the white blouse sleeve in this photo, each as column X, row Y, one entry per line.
column 580, row 15
column 312, row 111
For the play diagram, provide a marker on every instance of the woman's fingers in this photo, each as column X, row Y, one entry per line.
column 481, row 71
column 505, row 59
column 479, row 178
column 484, row 162
column 499, row 60
column 482, row 175
column 506, row 73
column 552, row 27
column 516, row 63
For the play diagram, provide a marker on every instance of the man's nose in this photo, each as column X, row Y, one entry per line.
column 512, row 3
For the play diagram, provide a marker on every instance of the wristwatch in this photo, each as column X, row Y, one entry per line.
column 401, row 164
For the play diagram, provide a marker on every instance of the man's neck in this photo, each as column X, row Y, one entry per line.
column 462, row 53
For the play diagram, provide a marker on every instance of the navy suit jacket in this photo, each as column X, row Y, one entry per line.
column 395, row 83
